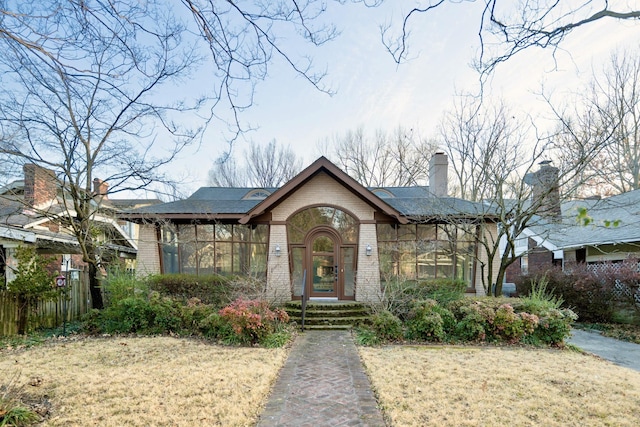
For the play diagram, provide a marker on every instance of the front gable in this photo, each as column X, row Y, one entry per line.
column 322, row 183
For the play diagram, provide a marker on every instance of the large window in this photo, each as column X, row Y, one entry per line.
column 426, row 251
column 215, row 248
column 303, row 221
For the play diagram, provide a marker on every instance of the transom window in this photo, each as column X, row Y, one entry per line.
column 299, row 224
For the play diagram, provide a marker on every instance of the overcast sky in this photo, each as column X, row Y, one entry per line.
column 375, row 93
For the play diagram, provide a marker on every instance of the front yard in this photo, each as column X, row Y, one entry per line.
column 173, row 381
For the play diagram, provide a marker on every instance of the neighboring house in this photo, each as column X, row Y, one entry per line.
column 611, row 235
column 347, row 238
column 32, row 212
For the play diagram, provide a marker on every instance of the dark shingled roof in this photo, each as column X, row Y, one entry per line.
column 409, row 201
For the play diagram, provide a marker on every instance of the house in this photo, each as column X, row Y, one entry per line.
column 322, row 232
column 33, row 212
column 590, row 231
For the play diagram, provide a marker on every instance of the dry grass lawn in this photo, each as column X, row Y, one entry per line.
column 147, row 381
column 467, row 386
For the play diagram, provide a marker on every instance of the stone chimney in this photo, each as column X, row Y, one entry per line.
column 545, row 190
column 438, row 175
column 40, row 186
column 100, row 188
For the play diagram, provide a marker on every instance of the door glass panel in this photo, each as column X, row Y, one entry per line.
column 323, row 274
column 297, row 269
column 348, row 275
column 323, row 244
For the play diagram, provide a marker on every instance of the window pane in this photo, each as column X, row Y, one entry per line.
column 223, row 258
column 259, row 260
column 223, row 232
column 241, row 258
column 407, row 232
column 349, row 274
column 206, row 258
column 260, row 233
column 241, row 233
column 407, row 254
column 297, row 255
column 426, row 232
column 386, row 232
column 188, row 258
column 204, row 232
column 426, row 254
column 387, row 254
column 464, row 261
column 169, row 239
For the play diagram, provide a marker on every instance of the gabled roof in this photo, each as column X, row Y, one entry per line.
column 243, row 204
column 569, row 233
column 322, row 165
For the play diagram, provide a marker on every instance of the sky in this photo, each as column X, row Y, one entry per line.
column 375, row 93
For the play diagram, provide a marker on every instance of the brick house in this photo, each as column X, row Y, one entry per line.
column 33, row 212
column 347, row 238
column 610, row 232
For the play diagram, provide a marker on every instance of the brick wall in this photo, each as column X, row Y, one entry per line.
column 40, row 185
column 324, row 190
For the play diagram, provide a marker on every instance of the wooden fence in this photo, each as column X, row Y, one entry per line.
column 48, row 314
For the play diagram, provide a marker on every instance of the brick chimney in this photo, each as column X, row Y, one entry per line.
column 40, row 186
column 545, row 190
column 438, row 175
column 100, row 188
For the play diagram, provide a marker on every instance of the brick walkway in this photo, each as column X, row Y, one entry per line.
column 322, row 384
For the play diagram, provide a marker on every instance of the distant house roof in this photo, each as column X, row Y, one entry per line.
column 569, row 233
column 243, row 204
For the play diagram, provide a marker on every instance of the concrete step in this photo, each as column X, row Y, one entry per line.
column 328, row 315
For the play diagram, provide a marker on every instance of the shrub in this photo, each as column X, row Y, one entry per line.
column 215, row 327
column 474, row 319
column 253, row 320
column 119, row 285
column 429, row 321
column 211, row 289
column 443, row 290
column 386, row 326
column 511, row 326
column 553, row 327
column 400, row 293
column 591, row 295
column 156, row 315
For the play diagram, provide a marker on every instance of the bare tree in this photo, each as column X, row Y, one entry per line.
column 268, row 166
column 486, row 144
column 397, row 159
column 513, row 180
column 88, row 87
column 607, row 113
column 506, row 28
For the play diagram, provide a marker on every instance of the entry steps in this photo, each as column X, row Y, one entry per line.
column 324, row 315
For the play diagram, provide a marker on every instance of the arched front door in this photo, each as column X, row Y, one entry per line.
column 329, row 264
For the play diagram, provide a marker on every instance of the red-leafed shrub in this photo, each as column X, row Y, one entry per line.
column 253, row 320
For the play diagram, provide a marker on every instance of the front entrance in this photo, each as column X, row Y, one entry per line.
column 329, row 263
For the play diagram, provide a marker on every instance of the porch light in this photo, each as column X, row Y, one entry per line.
column 277, row 250
column 368, row 250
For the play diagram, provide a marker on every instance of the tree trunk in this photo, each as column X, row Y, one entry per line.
column 23, row 314
column 94, row 287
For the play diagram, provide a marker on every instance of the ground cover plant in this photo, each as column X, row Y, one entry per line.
column 493, row 386
column 145, row 381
